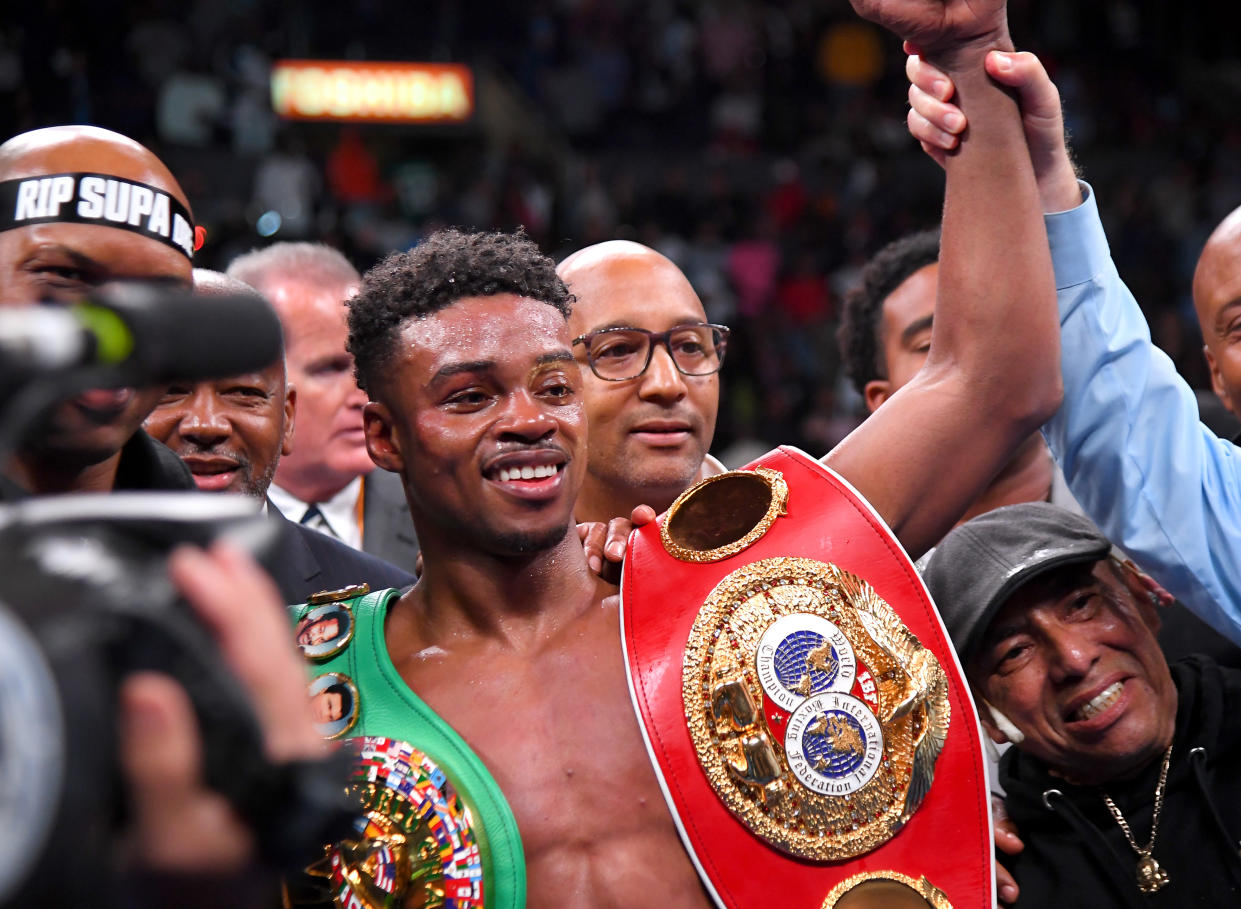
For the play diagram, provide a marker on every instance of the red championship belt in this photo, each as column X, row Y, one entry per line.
column 809, row 722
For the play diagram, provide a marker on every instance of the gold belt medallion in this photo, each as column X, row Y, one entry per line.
column 414, row 846
column 815, row 713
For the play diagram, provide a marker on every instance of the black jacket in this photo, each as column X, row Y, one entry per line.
column 145, row 465
column 303, row 561
column 306, row 561
column 150, row 465
column 1076, row 854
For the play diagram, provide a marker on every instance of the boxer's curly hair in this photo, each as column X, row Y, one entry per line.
column 449, row 265
column 861, row 315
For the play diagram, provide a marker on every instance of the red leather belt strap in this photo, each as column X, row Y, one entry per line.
column 840, row 799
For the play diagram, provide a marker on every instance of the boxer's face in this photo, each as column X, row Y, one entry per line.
column 317, row 632
column 327, row 706
column 481, row 413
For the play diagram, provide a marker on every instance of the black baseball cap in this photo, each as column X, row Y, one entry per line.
column 980, row 564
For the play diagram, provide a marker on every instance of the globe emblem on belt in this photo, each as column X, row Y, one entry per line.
column 838, row 745
column 803, row 655
column 834, row 744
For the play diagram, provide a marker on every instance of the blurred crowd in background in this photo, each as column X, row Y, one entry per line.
column 761, row 146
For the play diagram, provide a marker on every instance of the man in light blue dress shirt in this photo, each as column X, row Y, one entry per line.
column 1157, row 482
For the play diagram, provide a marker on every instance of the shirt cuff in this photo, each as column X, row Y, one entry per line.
column 1079, row 250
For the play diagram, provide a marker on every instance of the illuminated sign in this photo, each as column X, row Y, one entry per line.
column 372, row 92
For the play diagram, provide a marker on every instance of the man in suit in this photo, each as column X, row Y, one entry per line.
column 231, row 433
column 327, row 481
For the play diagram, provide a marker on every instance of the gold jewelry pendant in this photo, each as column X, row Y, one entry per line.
column 1151, row 877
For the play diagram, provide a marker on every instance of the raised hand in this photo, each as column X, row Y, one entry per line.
column 938, row 124
column 940, row 26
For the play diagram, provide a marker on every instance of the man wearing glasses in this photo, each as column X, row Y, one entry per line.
column 650, row 364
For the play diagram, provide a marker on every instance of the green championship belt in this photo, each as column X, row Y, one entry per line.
column 435, row 830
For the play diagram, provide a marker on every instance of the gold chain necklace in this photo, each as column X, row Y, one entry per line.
column 1151, row 876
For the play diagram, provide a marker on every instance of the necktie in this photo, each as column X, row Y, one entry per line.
column 314, row 519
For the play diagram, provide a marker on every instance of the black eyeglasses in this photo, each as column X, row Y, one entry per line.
column 617, row 354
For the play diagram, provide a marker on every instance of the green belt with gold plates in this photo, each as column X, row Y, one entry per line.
column 434, row 829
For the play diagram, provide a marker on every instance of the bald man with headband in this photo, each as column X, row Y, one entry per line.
column 81, row 207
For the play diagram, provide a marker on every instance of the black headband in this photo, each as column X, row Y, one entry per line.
column 98, row 199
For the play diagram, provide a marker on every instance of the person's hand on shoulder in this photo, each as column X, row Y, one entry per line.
column 605, row 543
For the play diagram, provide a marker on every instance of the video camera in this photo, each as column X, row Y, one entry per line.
column 85, row 601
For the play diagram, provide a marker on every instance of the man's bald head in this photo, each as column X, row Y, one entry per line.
column 1217, row 298
column 64, row 258
column 649, row 434
column 596, row 272
column 70, row 149
column 53, row 250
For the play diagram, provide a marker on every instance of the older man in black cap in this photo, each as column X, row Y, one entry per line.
column 1125, row 780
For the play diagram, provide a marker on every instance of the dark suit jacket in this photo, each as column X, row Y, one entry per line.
column 387, row 529
column 305, row 561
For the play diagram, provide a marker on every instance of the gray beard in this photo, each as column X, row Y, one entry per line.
column 257, row 487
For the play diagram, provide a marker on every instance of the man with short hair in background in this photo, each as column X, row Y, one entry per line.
column 231, row 433
column 885, row 335
column 327, row 481
column 650, row 364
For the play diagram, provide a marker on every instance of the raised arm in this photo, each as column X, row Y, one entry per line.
column 937, row 123
column 1155, row 480
column 992, row 375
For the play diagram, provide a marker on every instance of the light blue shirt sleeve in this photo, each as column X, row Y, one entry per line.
column 1160, row 484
